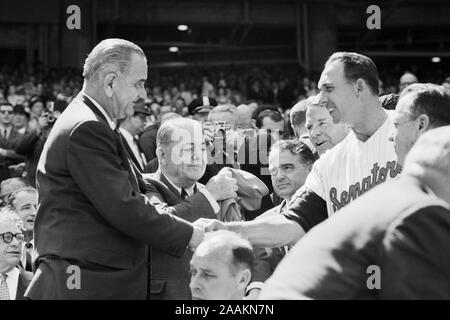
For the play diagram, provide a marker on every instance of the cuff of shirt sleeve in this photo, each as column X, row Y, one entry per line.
column 254, row 285
column 211, row 200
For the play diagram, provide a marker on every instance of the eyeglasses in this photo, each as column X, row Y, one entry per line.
column 6, row 111
column 8, row 237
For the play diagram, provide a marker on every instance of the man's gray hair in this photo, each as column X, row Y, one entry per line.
column 230, row 108
column 165, row 132
column 113, row 53
column 7, row 215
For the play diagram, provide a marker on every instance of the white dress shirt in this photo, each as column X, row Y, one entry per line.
column 134, row 147
column 12, row 281
column 112, row 124
column 31, row 251
column 200, row 188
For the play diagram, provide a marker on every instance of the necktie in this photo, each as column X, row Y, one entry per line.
column 4, row 291
column 29, row 262
column 5, row 133
column 184, row 194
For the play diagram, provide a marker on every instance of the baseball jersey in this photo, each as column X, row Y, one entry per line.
column 344, row 173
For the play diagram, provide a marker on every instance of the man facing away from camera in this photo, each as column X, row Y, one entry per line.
column 94, row 223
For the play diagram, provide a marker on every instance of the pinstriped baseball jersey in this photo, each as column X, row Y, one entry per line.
column 353, row 167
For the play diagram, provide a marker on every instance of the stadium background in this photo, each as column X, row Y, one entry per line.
column 288, row 38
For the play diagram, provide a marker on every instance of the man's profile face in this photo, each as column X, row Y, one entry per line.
column 288, row 173
column 26, row 204
column 129, row 87
column 212, row 277
column 6, row 114
column 339, row 92
column 10, row 253
column 323, row 133
column 186, row 157
column 405, row 127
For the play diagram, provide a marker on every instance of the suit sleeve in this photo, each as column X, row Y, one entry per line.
column 261, row 270
column 95, row 165
column 414, row 249
column 193, row 208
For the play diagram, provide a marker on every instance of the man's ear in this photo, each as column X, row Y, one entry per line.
column 244, row 279
column 360, row 87
column 161, row 155
column 310, row 166
column 423, row 122
column 108, row 83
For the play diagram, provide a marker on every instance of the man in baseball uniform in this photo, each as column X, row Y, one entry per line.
column 364, row 159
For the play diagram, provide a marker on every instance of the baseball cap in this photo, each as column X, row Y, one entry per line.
column 202, row 104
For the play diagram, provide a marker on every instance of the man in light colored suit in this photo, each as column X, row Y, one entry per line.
column 181, row 153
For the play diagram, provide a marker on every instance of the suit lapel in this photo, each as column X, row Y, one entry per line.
column 131, row 154
column 170, row 186
column 22, row 285
column 121, row 149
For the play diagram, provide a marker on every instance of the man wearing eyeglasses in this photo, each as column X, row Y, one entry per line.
column 9, row 139
column 13, row 280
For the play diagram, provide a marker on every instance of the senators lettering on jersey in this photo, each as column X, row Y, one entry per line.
column 343, row 173
column 357, row 189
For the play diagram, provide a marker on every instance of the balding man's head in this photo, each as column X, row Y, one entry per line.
column 245, row 113
column 221, row 267
column 406, row 79
column 429, row 160
column 10, row 240
column 181, row 151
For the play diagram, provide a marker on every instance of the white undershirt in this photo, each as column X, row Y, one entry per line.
column 134, row 148
column 190, row 192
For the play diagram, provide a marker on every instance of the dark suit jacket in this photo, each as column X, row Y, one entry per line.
column 11, row 157
column 147, row 141
column 22, row 285
column 92, row 214
column 170, row 276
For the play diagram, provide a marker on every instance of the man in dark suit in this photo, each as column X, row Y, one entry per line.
column 9, row 139
column 13, row 280
column 290, row 162
column 130, row 129
column 94, row 224
column 181, row 163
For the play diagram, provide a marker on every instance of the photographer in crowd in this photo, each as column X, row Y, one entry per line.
column 32, row 143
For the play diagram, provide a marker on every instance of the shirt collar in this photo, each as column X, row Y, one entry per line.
column 190, row 190
column 126, row 134
column 99, row 107
column 13, row 273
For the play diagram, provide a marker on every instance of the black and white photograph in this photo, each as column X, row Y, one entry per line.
column 241, row 152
